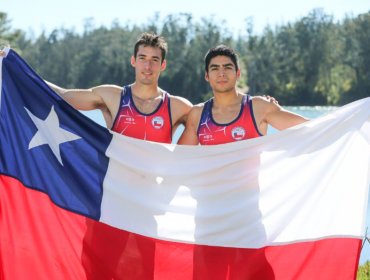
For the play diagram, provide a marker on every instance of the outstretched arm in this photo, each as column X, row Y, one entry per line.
column 104, row 97
column 283, row 119
column 86, row 99
column 271, row 113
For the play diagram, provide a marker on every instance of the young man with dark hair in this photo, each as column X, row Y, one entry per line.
column 231, row 115
column 142, row 109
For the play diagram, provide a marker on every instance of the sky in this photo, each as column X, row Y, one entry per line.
column 36, row 16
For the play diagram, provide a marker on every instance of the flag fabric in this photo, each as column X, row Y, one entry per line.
column 78, row 201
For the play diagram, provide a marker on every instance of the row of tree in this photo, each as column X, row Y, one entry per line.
column 313, row 61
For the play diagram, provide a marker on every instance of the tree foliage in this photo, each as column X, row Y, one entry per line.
column 9, row 37
column 312, row 61
column 363, row 272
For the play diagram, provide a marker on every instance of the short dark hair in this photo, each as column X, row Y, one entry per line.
column 151, row 40
column 221, row 50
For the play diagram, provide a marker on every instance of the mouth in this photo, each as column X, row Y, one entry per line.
column 147, row 74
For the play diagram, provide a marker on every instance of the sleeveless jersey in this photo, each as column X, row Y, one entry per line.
column 156, row 126
column 242, row 128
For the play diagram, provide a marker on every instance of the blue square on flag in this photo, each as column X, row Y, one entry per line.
column 55, row 142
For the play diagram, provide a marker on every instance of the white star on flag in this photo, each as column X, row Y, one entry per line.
column 50, row 133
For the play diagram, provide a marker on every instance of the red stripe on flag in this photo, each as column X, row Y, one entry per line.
column 37, row 239
column 43, row 241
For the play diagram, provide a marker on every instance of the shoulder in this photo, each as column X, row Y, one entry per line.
column 196, row 111
column 265, row 103
column 180, row 100
column 180, row 106
column 107, row 89
column 199, row 106
column 109, row 94
column 262, row 99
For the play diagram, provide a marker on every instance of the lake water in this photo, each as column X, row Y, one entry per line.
column 306, row 111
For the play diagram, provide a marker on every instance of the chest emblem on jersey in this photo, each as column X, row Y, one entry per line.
column 238, row 133
column 157, row 122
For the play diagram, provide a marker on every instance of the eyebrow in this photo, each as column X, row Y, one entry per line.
column 144, row 55
column 219, row 65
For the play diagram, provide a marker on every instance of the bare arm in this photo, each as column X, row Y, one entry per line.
column 271, row 113
column 190, row 136
column 283, row 119
column 104, row 97
column 86, row 99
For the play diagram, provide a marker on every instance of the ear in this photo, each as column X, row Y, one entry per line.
column 238, row 73
column 164, row 65
column 206, row 76
column 133, row 61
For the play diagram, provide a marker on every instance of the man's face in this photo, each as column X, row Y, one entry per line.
column 148, row 64
column 222, row 74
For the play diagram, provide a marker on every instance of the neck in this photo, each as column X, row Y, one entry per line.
column 145, row 91
column 227, row 98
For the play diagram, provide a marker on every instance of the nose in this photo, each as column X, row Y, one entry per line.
column 221, row 73
column 147, row 64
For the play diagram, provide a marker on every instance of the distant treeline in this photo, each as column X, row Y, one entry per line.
column 312, row 61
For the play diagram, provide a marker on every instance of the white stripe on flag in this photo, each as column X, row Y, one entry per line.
column 305, row 183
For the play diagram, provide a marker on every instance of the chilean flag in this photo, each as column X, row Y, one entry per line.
column 78, row 201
